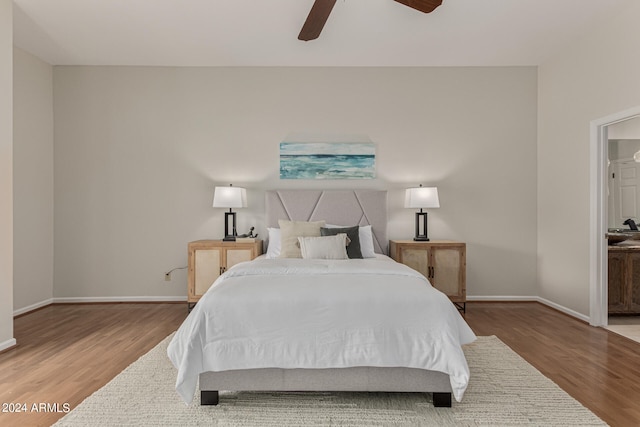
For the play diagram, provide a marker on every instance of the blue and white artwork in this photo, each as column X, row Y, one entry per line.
column 327, row 160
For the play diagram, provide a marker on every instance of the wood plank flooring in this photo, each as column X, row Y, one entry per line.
column 66, row 352
column 597, row 367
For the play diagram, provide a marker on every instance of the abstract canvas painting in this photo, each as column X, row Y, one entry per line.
column 327, row 160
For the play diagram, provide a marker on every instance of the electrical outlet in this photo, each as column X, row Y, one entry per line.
column 167, row 277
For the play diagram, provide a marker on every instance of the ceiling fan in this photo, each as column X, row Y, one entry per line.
column 321, row 10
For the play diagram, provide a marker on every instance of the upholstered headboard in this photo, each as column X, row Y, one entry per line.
column 337, row 207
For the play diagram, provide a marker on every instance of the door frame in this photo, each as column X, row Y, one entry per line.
column 598, row 201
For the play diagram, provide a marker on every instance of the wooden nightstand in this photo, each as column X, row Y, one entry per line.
column 208, row 259
column 443, row 262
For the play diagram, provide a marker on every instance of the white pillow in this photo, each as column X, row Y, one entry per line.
column 325, row 247
column 291, row 230
column 273, row 250
column 366, row 239
column 366, row 242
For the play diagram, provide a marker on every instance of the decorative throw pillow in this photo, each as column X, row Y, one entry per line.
column 326, row 247
column 289, row 233
column 353, row 247
column 366, row 240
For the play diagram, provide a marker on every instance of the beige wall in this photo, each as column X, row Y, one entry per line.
column 595, row 78
column 139, row 150
column 6, row 171
column 33, row 181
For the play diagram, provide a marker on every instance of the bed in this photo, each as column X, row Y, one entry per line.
column 292, row 324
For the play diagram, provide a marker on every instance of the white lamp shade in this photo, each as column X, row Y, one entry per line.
column 229, row 197
column 421, row 197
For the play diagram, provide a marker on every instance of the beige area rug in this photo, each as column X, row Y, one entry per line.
column 504, row 390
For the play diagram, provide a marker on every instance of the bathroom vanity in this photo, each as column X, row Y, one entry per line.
column 624, row 277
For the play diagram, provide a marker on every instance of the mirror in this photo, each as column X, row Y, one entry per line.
column 624, row 173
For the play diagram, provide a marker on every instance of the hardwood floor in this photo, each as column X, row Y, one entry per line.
column 66, row 352
column 598, row 368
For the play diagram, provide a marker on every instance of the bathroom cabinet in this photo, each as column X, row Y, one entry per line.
column 624, row 279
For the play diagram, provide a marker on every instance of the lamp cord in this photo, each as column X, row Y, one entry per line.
column 177, row 268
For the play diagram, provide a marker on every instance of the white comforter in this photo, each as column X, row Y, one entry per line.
column 295, row 313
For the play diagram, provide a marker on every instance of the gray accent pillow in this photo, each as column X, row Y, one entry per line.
column 353, row 248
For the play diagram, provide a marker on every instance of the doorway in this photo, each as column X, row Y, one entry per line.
column 623, row 205
column 599, row 203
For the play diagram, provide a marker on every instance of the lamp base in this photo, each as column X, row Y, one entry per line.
column 229, row 226
column 421, row 227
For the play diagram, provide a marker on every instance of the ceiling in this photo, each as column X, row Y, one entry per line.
column 264, row 32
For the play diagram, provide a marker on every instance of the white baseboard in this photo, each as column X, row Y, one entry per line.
column 32, row 307
column 501, row 298
column 564, row 309
column 7, row 344
column 504, row 298
column 119, row 299
column 80, row 300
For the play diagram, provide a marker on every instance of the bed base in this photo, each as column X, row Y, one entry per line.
column 212, row 398
column 372, row 379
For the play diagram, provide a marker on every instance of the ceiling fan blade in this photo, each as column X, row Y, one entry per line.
column 318, row 15
column 425, row 6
